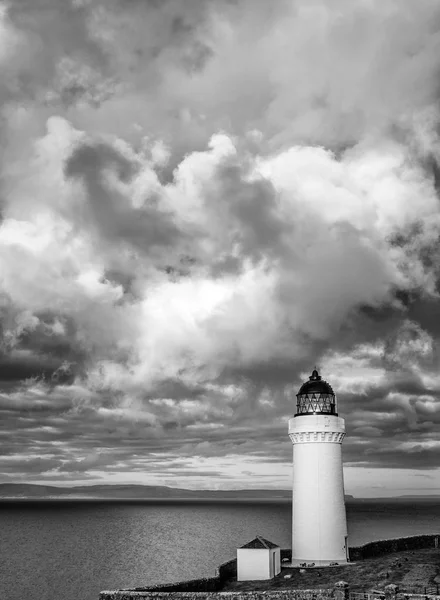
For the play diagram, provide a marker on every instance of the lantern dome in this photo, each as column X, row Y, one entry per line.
column 316, row 396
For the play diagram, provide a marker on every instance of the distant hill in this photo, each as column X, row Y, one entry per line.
column 420, row 496
column 133, row 492
column 400, row 499
column 24, row 490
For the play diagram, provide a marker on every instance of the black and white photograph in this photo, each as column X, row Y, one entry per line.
column 219, row 299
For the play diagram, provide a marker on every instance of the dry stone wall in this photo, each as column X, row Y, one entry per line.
column 257, row 595
column 416, row 542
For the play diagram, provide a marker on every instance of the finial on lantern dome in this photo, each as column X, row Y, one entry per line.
column 315, row 375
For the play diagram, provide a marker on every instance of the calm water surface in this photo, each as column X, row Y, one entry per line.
column 71, row 551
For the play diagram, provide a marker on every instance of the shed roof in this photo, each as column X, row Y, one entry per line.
column 260, row 543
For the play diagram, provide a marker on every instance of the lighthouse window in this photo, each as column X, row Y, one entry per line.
column 316, row 403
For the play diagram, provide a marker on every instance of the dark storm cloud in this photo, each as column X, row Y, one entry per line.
column 45, row 31
column 108, row 210
column 416, row 457
column 17, row 368
column 29, row 465
column 42, row 345
column 259, row 228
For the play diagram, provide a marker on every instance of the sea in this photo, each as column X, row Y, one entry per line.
column 71, row 550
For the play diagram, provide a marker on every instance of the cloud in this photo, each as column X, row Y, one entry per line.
column 303, row 72
column 198, row 204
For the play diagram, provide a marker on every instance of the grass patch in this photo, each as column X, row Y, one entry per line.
column 411, row 568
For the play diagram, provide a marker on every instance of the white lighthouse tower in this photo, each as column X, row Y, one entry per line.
column 319, row 523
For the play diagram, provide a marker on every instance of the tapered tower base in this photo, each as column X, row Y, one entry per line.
column 319, row 525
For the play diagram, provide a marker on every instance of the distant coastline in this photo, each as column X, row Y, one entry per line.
column 19, row 492
column 134, row 492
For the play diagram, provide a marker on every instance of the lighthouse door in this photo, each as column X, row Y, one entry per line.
column 346, row 548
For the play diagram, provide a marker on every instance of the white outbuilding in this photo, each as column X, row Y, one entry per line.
column 258, row 559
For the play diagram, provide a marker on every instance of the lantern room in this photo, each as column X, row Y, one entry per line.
column 316, row 397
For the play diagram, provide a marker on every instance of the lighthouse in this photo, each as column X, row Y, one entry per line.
column 319, row 522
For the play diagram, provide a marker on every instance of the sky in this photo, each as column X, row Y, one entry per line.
column 199, row 202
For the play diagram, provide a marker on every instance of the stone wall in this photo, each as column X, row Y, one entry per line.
column 227, row 570
column 257, row 595
column 340, row 591
column 207, row 584
column 416, row 542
